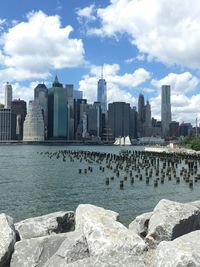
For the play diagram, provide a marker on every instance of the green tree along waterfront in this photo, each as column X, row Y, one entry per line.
column 191, row 142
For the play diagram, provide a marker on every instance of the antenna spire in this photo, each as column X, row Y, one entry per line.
column 102, row 72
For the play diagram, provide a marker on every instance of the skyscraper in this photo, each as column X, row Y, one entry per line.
column 80, row 107
column 41, row 94
column 60, row 111
column 77, row 94
column 140, row 114
column 8, row 95
column 166, row 116
column 93, row 119
column 102, row 93
column 70, row 111
column 19, row 109
column 7, row 124
column 119, row 119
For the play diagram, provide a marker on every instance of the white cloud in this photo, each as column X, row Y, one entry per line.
column 34, row 47
column 116, row 84
column 180, row 83
column 165, row 30
column 148, row 90
column 139, row 57
column 86, row 13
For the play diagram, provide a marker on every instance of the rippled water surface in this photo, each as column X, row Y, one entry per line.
column 32, row 184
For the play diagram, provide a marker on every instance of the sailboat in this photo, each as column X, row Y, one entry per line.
column 117, row 141
column 122, row 141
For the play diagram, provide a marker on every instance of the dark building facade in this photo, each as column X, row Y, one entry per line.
column 119, row 119
column 18, row 108
column 80, row 106
column 174, row 129
column 7, row 125
column 94, row 120
column 185, row 129
column 133, row 123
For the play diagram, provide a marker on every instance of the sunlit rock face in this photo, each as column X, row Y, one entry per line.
column 34, row 123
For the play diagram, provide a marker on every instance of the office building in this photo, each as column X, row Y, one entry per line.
column 185, row 129
column 133, row 123
column 8, row 95
column 41, row 94
column 93, row 113
column 147, row 123
column 102, row 93
column 174, row 129
column 165, row 109
column 60, row 111
column 144, row 117
column 80, row 107
column 18, row 107
column 7, row 125
column 70, row 111
column 77, row 94
column 34, row 123
column 119, row 119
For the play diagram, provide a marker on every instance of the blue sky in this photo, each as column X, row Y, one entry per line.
column 141, row 43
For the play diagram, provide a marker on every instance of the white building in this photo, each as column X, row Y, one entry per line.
column 8, row 95
column 34, row 123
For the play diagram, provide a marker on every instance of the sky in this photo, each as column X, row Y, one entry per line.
column 142, row 44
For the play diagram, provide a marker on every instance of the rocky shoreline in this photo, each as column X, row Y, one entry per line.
column 168, row 236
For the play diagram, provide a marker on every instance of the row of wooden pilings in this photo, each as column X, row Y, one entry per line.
column 136, row 165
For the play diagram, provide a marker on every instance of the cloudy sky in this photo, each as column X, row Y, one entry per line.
column 141, row 43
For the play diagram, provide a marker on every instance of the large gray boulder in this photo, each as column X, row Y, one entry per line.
column 140, row 224
column 57, row 222
column 36, row 251
column 7, row 239
column 73, row 248
column 181, row 252
column 104, row 234
column 172, row 219
column 109, row 260
column 195, row 203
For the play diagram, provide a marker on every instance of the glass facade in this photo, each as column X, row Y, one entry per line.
column 102, row 94
column 60, row 113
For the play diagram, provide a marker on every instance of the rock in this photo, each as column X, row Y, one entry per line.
column 109, row 260
column 172, row 219
column 195, row 203
column 73, row 248
column 7, row 239
column 181, row 252
column 57, row 222
column 140, row 224
column 104, row 234
column 36, row 251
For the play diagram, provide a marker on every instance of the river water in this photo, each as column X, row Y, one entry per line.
column 32, row 184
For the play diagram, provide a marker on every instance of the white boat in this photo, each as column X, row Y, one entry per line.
column 127, row 141
column 122, row 141
column 117, row 141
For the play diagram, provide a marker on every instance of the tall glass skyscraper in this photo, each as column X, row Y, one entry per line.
column 60, row 110
column 102, row 93
column 166, row 116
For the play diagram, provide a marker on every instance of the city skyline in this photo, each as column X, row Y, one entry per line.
column 131, row 65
